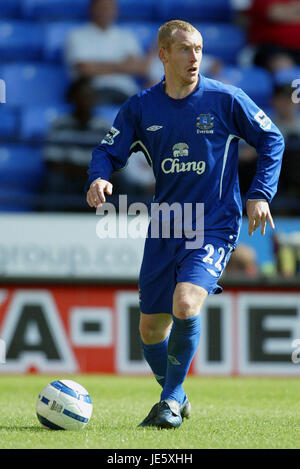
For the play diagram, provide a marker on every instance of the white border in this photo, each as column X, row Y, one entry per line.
column 201, row 365
column 80, row 338
column 123, row 300
column 67, row 364
column 256, row 299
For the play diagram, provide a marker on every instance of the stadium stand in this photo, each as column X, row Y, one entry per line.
column 213, row 36
column 286, row 75
column 17, row 200
column 35, row 121
column 34, row 83
column 9, row 118
column 13, row 172
column 107, row 112
column 207, row 10
column 54, row 9
column 137, row 10
column 222, row 40
column 21, row 175
column 55, row 34
column 32, row 39
column 145, row 32
column 10, row 9
column 248, row 79
column 20, row 40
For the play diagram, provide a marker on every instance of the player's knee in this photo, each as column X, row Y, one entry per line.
column 152, row 331
column 185, row 308
column 188, row 300
column 150, row 335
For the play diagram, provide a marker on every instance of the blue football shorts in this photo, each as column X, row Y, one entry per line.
column 167, row 262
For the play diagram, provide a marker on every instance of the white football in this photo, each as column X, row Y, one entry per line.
column 64, row 405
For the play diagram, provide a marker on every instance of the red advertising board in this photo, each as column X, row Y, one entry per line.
column 59, row 327
column 94, row 329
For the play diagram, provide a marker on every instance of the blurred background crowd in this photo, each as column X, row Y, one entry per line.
column 68, row 65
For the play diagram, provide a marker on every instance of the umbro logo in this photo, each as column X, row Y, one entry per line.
column 158, row 377
column 154, row 128
column 173, row 360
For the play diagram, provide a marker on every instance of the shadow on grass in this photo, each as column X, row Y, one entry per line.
column 32, row 428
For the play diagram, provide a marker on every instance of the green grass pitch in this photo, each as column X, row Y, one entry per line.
column 227, row 413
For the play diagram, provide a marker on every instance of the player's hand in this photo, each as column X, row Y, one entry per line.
column 95, row 196
column 258, row 212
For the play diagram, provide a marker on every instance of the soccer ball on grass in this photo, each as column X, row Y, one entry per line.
column 64, row 405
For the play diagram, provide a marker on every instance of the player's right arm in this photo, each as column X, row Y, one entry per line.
column 112, row 153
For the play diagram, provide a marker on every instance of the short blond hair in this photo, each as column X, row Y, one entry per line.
column 167, row 30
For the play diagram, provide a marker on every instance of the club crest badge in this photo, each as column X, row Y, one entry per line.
column 205, row 124
column 180, row 149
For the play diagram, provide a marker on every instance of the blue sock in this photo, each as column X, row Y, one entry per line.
column 157, row 356
column 183, row 342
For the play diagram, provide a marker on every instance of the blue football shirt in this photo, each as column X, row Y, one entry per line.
column 192, row 147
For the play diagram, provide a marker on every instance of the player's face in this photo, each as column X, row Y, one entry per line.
column 183, row 58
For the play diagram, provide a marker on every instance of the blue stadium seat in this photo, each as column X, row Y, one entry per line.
column 20, row 40
column 255, row 81
column 287, row 75
column 10, row 8
column 55, row 9
column 107, row 112
column 8, row 122
column 137, row 10
column 33, row 83
column 222, row 40
column 195, row 10
column 146, row 33
column 54, row 38
column 21, row 167
column 36, row 120
column 17, row 200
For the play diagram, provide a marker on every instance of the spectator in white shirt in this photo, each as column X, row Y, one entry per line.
column 107, row 54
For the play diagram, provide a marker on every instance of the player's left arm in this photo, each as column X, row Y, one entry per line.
column 257, row 129
column 258, row 212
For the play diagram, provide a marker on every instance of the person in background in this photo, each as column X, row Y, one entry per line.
column 70, row 140
column 286, row 112
column 274, row 32
column 247, row 167
column 107, row 54
column 287, row 118
column 243, row 262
